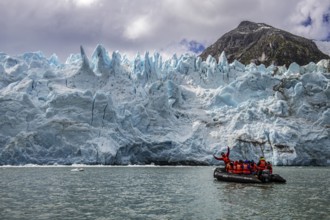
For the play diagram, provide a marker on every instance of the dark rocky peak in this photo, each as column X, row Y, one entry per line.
column 262, row 43
column 251, row 26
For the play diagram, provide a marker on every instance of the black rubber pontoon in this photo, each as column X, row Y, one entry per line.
column 221, row 175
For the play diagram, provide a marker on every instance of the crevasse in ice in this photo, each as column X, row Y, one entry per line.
column 109, row 109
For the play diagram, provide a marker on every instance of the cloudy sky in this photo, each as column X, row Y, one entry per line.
column 131, row 26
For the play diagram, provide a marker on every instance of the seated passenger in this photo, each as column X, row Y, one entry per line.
column 239, row 167
column 230, row 167
column 270, row 167
column 246, row 168
column 235, row 166
column 253, row 167
column 262, row 164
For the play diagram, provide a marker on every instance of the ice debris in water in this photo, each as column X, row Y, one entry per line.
column 108, row 109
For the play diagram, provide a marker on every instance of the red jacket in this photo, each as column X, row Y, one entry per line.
column 246, row 168
column 225, row 157
column 235, row 167
column 262, row 164
column 239, row 168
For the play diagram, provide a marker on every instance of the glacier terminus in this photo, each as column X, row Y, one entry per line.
column 112, row 110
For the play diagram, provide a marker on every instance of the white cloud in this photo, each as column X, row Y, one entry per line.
column 84, row 3
column 138, row 28
column 315, row 10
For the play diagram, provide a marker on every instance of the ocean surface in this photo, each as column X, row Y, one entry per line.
column 154, row 192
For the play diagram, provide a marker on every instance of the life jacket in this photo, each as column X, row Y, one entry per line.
column 262, row 165
column 246, row 168
column 235, row 167
column 239, row 168
column 226, row 159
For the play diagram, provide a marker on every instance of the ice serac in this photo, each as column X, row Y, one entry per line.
column 101, row 61
column 111, row 110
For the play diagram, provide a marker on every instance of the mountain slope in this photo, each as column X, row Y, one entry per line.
column 262, row 43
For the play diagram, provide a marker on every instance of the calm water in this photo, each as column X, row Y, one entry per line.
column 159, row 193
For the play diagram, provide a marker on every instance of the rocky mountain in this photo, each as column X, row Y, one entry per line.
column 262, row 43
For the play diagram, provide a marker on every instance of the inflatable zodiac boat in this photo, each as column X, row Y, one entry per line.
column 265, row 177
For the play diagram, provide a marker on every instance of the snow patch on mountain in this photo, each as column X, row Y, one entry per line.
column 108, row 109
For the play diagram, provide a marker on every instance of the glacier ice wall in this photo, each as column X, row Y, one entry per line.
column 113, row 110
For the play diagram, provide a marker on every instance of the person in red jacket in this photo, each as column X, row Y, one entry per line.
column 246, row 168
column 253, row 167
column 224, row 157
column 239, row 167
column 262, row 164
column 235, row 166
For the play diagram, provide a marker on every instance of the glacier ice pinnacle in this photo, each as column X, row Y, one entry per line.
column 112, row 110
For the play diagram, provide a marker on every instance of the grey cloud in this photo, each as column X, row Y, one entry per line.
column 130, row 26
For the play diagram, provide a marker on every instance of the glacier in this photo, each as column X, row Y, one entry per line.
column 112, row 110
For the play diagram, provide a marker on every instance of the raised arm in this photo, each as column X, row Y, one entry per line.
column 217, row 158
column 228, row 151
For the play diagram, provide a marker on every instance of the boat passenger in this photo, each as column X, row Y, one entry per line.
column 262, row 164
column 246, row 168
column 239, row 167
column 224, row 157
column 270, row 167
column 253, row 167
column 230, row 167
column 235, row 166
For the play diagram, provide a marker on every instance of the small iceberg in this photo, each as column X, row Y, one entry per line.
column 77, row 169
